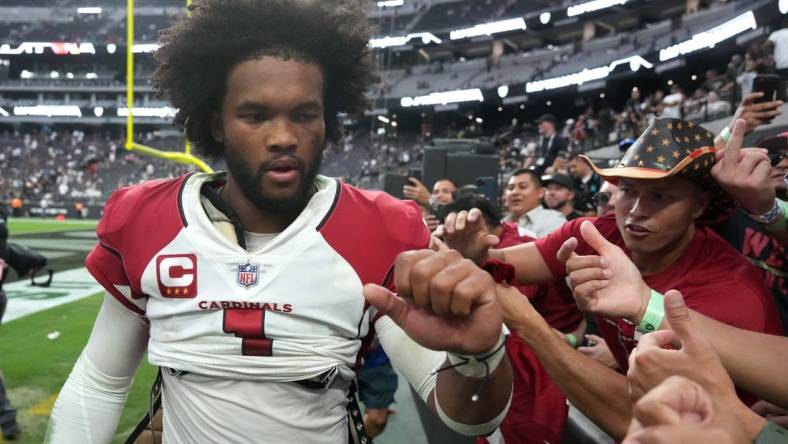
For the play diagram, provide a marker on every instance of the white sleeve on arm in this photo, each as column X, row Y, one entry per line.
column 416, row 363
column 90, row 403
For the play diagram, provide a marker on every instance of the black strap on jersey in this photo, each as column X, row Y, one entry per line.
column 357, row 434
column 154, row 404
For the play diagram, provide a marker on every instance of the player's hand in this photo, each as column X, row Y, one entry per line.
column 599, row 351
column 745, row 173
column 466, row 232
column 756, row 114
column 416, row 191
column 445, row 302
column 608, row 284
column 679, row 411
column 650, row 363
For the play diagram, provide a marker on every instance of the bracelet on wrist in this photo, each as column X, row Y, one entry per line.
column 571, row 339
column 769, row 217
column 726, row 134
column 654, row 315
column 781, row 223
column 772, row 434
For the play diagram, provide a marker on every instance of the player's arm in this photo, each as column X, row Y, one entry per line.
column 447, row 303
column 596, row 390
column 91, row 401
column 452, row 390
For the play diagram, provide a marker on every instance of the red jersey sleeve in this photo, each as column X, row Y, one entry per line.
column 105, row 263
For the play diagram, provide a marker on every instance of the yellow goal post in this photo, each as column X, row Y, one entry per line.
column 185, row 157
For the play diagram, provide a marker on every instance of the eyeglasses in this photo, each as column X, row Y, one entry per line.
column 601, row 198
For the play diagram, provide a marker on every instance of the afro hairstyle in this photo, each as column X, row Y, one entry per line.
column 199, row 50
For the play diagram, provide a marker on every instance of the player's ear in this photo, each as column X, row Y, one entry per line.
column 217, row 130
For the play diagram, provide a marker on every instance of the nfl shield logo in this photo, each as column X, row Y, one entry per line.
column 248, row 274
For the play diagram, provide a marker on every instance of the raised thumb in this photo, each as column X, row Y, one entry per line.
column 385, row 302
column 594, row 238
column 678, row 316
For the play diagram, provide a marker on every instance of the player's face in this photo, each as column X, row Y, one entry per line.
column 273, row 129
column 654, row 216
column 556, row 196
column 522, row 195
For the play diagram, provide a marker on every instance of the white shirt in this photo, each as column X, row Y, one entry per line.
column 780, row 39
column 539, row 222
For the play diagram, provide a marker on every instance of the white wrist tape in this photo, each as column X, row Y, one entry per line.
column 475, row 429
column 481, row 365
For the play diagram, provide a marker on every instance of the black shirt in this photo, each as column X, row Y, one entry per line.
column 765, row 252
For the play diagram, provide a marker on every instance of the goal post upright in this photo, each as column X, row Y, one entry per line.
column 185, row 157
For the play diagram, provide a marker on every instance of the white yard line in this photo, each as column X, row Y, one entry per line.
column 67, row 286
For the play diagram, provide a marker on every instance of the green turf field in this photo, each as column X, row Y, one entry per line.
column 35, row 367
column 37, row 225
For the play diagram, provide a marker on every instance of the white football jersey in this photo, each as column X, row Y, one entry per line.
column 239, row 321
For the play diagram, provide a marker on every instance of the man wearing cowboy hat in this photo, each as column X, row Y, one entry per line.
column 666, row 198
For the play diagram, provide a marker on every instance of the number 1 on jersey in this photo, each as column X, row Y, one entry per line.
column 248, row 324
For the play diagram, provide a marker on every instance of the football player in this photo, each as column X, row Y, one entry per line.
column 255, row 290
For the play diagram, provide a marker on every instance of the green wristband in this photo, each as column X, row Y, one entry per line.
column 726, row 134
column 571, row 339
column 654, row 315
column 772, row 434
column 782, row 223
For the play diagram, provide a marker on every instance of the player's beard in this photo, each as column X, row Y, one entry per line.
column 251, row 183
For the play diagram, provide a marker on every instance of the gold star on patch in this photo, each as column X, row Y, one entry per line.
column 679, row 125
column 640, row 164
column 637, row 157
column 665, row 142
column 688, row 151
column 661, row 159
column 686, row 139
column 654, row 132
column 675, row 154
column 177, row 291
column 669, row 125
column 690, row 125
column 706, row 163
column 697, row 166
column 678, row 139
column 650, row 149
column 697, row 137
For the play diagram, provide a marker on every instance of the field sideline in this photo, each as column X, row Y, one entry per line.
column 35, row 367
column 36, row 225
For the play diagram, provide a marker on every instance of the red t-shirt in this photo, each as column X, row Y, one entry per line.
column 553, row 300
column 538, row 411
column 713, row 277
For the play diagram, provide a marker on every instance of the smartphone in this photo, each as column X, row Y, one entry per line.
column 768, row 85
column 415, row 173
column 393, row 184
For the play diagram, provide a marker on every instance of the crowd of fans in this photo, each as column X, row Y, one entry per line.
column 572, row 212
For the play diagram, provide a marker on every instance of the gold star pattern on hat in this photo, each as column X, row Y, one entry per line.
column 673, row 147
